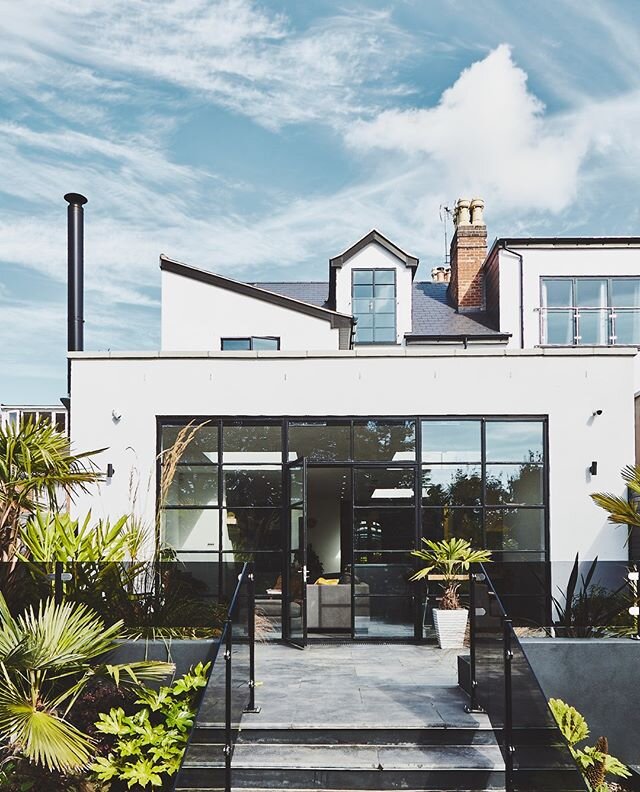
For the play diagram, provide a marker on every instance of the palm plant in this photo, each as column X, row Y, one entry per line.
column 449, row 558
column 37, row 467
column 621, row 511
column 48, row 657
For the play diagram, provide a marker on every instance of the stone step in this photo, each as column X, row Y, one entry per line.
column 355, row 767
column 323, row 735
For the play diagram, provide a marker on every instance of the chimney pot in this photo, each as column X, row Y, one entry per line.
column 461, row 215
column 477, row 207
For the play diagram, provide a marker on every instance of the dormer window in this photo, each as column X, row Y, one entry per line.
column 373, row 295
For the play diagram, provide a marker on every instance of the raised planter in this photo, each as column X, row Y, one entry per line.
column 184, row 653
column 450, row 627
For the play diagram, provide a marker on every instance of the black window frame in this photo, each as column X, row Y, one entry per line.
column 374, row 270
column 251, row 340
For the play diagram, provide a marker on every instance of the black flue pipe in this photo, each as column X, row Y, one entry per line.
column 75, row 276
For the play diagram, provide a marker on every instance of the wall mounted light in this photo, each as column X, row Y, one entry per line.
column 110, row 471
column 596, row 412
column 116, row 415
column 593, row 468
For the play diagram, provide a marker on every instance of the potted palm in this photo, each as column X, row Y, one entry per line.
column 447, row 561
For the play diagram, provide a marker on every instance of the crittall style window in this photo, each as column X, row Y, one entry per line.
column 373, row 295
column 250, row 342
column 590, row 311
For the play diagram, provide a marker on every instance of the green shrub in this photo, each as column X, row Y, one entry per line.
column 148, row 745
column 595, row 762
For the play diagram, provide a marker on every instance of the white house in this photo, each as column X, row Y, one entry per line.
column 340, row 422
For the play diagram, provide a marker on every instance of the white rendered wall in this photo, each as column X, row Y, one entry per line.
column 568, row 387
column 196, row 315
column 373, row 256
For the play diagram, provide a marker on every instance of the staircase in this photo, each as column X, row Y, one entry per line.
column 348, row 717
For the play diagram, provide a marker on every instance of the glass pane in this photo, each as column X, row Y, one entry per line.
column 514, row 484
column 251, row 529
column 625, row 293
column 385, row 276
column 384, row 335
column 236, row 343
column 193, row 486
column 385, row 291
column 451, row 441
column 448, row 523
column 61, row 422
column 202, row 448
column 252, row 443
column 591, row 293
column 364, row 335
column 384, row 617
column 319, row 441
column 378, row 441
column 627, row 327
column 364, row 292
column 559, row 328
column 387, row 487
column 191, row 529
column 389, row 575
column 383, row 529
column 265, row 343
column 365, row 320
column 556, row 293
column 256, row 486
column 386, row 320
column 593, row 328
column 384, row 306
column 362, row 307
column 514, row 529
column 455, row 485
column 362, row 276
column 296, row 486
column 514, row 441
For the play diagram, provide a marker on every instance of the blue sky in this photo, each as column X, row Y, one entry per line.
column 257, row 139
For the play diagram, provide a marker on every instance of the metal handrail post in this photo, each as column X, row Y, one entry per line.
column 227, row 705
column 251, row 630
column 57, row 583
column 473, row 683
column 507, row 626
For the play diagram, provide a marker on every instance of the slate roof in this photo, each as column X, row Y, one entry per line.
column 315, row 293
column 431, row 312
column 433, row 315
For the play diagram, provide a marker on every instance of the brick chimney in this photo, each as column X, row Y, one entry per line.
column 468, row 252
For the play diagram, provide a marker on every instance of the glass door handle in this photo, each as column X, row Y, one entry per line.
column 305, row 573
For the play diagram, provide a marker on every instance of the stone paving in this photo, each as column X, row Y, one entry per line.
column 349, row 685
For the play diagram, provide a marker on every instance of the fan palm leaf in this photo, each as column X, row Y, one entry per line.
column 620, row 510
column 48, row 656
column 37, row 466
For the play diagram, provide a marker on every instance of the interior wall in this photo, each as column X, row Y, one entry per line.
column 323, row 515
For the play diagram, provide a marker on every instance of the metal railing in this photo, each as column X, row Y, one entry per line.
column 503, row 684
column 246, row 581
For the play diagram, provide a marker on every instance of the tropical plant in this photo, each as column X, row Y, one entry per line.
column 449, row 558
column 595, row 762
column 37, row 467
column 50, row 536
column 588, row 610
column 148, row 745
column 621, row 511
column 47, row 658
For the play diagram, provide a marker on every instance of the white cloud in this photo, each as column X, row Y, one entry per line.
column 242, row 57
column 488, row 134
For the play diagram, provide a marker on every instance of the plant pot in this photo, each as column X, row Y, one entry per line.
column 450, row 627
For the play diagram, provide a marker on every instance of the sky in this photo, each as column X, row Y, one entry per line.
column 258, row 139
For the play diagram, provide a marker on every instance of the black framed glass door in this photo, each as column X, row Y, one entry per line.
column 294, row 603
